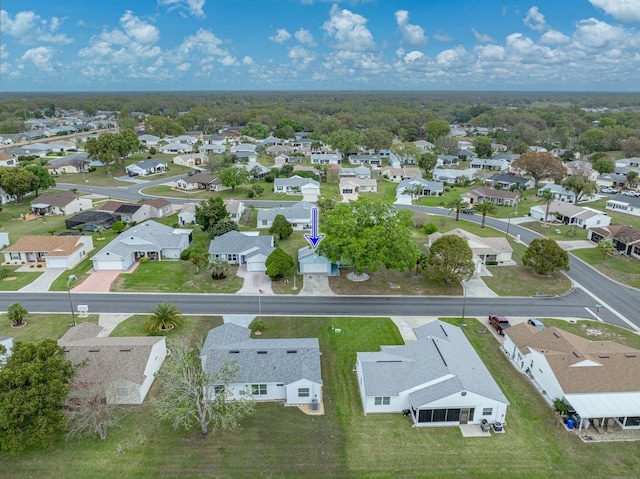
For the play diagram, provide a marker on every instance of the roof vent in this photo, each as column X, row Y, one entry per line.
column 234, row 352
column 125, row 350
column 603, row 355
column 292, row 351
column 262, row 352
column 94, row 350
column 630, row 355
column 577, row 354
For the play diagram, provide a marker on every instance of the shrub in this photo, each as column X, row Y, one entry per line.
column 257, row 325
column 429, row 228
column 118, row 226
column 5, row 272
column 144, row 259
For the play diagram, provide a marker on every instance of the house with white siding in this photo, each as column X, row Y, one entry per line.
column 570, row 214
column 51, row 251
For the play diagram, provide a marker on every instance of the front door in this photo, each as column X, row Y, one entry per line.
column 464, row 416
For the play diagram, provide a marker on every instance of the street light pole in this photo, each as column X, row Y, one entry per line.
column 72, row 277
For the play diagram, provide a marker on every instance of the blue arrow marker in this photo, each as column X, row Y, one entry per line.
column 314, row 238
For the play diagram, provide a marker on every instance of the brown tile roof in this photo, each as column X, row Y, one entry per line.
column 493, row 193
column 581, row 365
column 622, row 233
column 4, row 156
column 52, row 245
column 158, row 203
column 61, row 198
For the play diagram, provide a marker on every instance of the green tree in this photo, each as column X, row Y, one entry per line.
column 295, row 126
column 210, row 212
column 166, row 316
column 604, row 165
column 457, row 205
column 447, row 145
column 34, row 384
column 163, row 126
column 540, row 165
column 325, row 204
column 118, row 226
column 545, row 256
column 632, row 176
column 278, row 263
column 16, row 313
column 219, row 268
column 112, row 147
column 485, row 208
column 427, row 161
column 281, row 228
column 18, row 182
column 450, row 259
column 284, row 132
column 590, row 141
column 482, row 146
column 631, row 147
column 378, row 139
column 429, row 228
column 369, row 235
column 197, row 393
column 222, row 227
column 344, row 141
column 232, row 177
column 580, row 186
column 45, row 180
column 256, row 130
column 547, row 196
column 199, row 259
column 606, row 247
column 406, row 152
column 436, row 129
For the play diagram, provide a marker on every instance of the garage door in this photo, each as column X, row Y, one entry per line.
column 256, row 267
column 314, row 268
column 104, row 265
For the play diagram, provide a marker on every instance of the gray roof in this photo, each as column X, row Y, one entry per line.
column 295, row 181
column 150, row 163
column 149, row 236
column 261, row 360
column 298, row 211
column 73, row 160
column 507, row 178
column 417, row 180
column 235, row 242
column 631, row 200
column 440, row 350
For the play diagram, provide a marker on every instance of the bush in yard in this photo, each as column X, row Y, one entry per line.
column 222, row 227
column 16, row 313
column 257, row 326
column 281, row 228
column 118, row 226
column 5, row 272
column 545, row 256
column 279, row 263
column 165, row 317
column 429, row 228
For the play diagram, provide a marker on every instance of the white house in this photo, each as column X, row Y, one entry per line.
column 626, row 239
column 187, row 214
column 397, row 174
column 53, row 251
column 175, row 147
column 200, row 181
column 60, row 203
column 624, row 204
column 120, row 368
column 561, row 193
column 76, row 163
column 299, row 215
column 268, row 369
column 357, row 172
column 191, row 160
column 350, row 188
column 248, row 248
column 147, row 167
column 374, row 161
column 150, row 239
column 599, row 379
column 570, row 214
column 418, row 187
column 490, row 164
column 296, row 185
column 8, row 160
column 493, row 250
column 235, row 209
column 448, row 176
column 438, row 380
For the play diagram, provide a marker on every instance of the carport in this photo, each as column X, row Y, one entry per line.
column 623, row 408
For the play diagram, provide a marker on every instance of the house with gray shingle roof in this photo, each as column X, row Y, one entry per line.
column 438, row 380
column 69, row 164
column 268, row 369
column 147, row 167
column 296, row 185
column 121, row 369
column 299, row 215
column 243, row 248
column 150, row 239
column 418, row 186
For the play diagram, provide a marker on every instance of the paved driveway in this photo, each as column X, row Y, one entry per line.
column 316, row 284
column 44, row 281
column 254, row 281
column 97, row 282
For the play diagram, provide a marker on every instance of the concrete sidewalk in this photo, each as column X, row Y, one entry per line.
column 44, row 281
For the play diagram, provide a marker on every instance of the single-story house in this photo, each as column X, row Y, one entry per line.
column 493, row 250
column 200, row 181
column 9, row 161
column 240, row 248
column 175, row 147
column 90, row 220
column 570, row 214
column 187, row 214
column 624, row 204
column 447, row 160
column 150, row 239
column 76, row 163
column 437, row 380
column 374, row 161
column 235, row 209
column 133, row 212
column 268, row 369
column 158, row 207
column 478, row 194
column 561, row 193
column 243, row 147
column 633, row 162
column 54, row 251
column 358, row 172
column 60, row 203
column 191, row 160
column 424, row 145
column 581, row 168
column 120, row 368
column 626, row 239
column 5, row 198
column 148, row 139
column 299, row 215
column 350, row 188
column 215, row 140
column 147, row 167
column 326, row 158
column 206, row 148
column 612, row 180
column 507, row 181
column 277, row 150
column 256, row 170
column 309, row 261
column 397, row 174
column 490, row 164
column 296, row 185
column 598, row 379
column 448, row 176
column 425, row 187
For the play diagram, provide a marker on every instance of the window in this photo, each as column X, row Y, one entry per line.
column 487, row 411
column 259, row 389
column 15, row 256
column 382, row 400
column 303, row 392
column 264, row 222
column 122, row 392
column 219, row 389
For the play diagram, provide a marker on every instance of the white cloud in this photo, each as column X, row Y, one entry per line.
column 624, row 11
column 413, row 56
column 28, row 28
column 194, row 7
column 481, row 37
column 247, row 61
column 442, row 36
column 554, row 37
column 281, row 36
column 490, row 52
column 454, row 57
column 349, row 30
column 412, row 35
column 228, row 61
column 593, row 33
column 141, row 32
column 40, row 57
column 535, row 20
column 301, row 56
column 4, row 53
column 204, row 41
column 305, row 37
column 183, row 67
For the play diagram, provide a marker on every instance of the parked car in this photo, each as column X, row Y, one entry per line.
column 535, row 322
column 606, row 189
column 134, row 173
column 631, row 193
column 467, row 211
column 499, row 322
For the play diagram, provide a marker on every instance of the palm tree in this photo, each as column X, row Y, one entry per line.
column 457, row 205
column 632, row 176
column 485, row 208
column 16, row 313
column 422, row 261
column 100, row 231
column 547, row 196
column 218, row 268
column 165, row 317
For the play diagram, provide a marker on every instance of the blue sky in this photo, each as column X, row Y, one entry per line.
column 116, row 45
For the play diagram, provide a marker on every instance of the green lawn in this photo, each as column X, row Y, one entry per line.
column 281, row 442
column 624, row 269
column 238, row 193
column 41, row 326
column 10, row 221
column 193, row 327
column 15, row 281
column 175, row 277
column 558, row 232
column 616, row 216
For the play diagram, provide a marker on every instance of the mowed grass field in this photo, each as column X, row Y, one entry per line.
column 282, row 442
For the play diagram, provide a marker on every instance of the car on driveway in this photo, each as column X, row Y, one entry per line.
column 606, row 189
column 535, row 322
